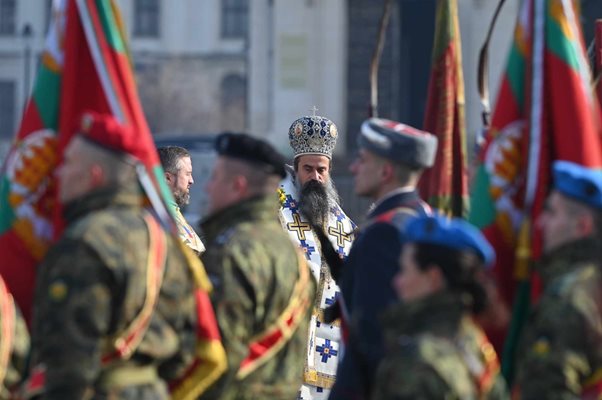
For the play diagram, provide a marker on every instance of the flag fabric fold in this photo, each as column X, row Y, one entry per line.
column 545, row 111
column 445, row 185
column 85, row 66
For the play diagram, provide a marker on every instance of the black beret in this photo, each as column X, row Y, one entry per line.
column 247, row 148
column 399, row 143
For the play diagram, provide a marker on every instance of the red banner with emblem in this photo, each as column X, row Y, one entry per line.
column 85, row 66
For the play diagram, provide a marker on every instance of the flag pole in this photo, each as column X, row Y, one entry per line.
column 523, row 252
column 374, row 64
column 483, row 68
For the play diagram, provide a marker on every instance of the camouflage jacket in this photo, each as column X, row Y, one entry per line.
column 254, row 267
column 91, row 286
column 14, row 342
column 560, row 355
column 435, row 351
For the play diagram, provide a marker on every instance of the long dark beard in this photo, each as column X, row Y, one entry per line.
column 315, row 201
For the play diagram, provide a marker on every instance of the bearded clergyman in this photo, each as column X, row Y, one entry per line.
column 309, row 199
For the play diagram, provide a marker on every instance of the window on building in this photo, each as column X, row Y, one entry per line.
column 146, row 18
column 233, row 89
column 7, row 109
column 234, row 103
column 8, row 10
column 235, row 18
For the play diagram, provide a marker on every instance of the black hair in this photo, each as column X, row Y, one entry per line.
column 462, row 270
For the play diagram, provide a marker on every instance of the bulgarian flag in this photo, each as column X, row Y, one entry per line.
column 445, row 185
column 545, row 111
column 85, row 66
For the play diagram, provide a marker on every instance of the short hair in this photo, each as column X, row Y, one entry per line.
column 170, row 156
column 260, row 180
column 405, row 174
column 118, row 168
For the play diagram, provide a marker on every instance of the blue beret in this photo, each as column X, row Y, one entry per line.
column 399, row 143
column 454, row 233
column 247, row 148
column 578, row 182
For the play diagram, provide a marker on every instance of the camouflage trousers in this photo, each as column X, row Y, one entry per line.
column 149, row 391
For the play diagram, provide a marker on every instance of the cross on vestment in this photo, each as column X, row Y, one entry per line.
column 339, row 233
column 299, row 227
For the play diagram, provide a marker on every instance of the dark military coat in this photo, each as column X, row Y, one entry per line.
column 91, row 286
column 560, row 356
column 435, row 351
column 367, row 291
column 254, row 266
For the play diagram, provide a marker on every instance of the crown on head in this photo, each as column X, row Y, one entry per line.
column 313, row 135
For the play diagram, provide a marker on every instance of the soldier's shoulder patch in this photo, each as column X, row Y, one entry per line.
column 541, row 346
column 58, row 290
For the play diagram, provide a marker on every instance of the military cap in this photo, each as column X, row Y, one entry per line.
column 106, row 131
column 578, row 182
column 247, row 148
column 313, row 135
column 453, row 233
column 399, row 143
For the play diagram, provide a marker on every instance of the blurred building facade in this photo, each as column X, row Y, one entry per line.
column 190, row 58
column 215, row 65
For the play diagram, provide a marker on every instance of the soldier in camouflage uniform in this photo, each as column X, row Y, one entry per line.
column 178, row 174
column 560, row 353
column 263, row 288
column 435, row 350
column 14, row 344
column 114, row 312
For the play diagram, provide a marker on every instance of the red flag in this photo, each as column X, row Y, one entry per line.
column 85, row 66
column 445, row 185
column 545, row 111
